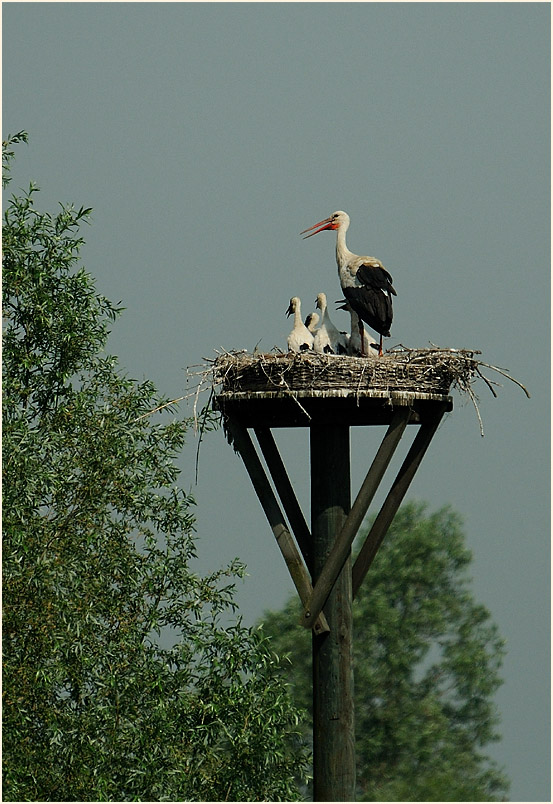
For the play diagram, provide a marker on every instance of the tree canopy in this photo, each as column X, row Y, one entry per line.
column 426, row 667
column 122, row 678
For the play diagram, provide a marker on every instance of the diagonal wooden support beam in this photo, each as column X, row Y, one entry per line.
column 286, row 493
column 395, row 496
column 290, row 552
column 342, row 546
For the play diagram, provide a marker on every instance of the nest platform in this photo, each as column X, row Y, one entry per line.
column 295, row 390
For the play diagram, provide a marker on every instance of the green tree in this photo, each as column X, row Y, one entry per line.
column 122, row 679
column 427, row 659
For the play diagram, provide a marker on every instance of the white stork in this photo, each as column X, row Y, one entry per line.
column 311, row 322
column 300, row 339
column 328, row 338
column 359, row 339
column 366, row 284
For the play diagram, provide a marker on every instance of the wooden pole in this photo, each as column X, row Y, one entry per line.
column 333, row 723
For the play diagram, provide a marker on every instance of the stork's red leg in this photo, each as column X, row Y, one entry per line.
column 362, row 335
column 380, row 352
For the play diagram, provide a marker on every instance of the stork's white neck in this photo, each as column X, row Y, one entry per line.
column 343, row 254
column 297, row 315
column 321, row 305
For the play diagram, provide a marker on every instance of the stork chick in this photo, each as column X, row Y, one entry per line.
column 328, row 338
column 311, row 322
column 300, row 339
column 360, row 342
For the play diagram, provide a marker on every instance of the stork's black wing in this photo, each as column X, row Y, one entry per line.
column 376, row 276
column 373, row 300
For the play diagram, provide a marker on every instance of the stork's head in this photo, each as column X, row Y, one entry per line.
column 321, row 301
column 338, row 220
column 311, row 321
column 294, row 305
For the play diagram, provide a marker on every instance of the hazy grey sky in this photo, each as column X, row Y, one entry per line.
column 207, row 136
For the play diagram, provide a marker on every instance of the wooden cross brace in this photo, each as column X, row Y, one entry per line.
column 300, row 562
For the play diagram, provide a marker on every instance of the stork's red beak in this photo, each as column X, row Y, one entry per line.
column 328, row 223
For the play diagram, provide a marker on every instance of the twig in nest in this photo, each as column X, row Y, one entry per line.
column 472, row 396
column 505, row 374
column 202, row 429
column 489, row 383
column 159, row 407
column 297, row 401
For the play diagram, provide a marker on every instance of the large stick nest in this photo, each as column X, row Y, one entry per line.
column 416, row 370
column 421, row 371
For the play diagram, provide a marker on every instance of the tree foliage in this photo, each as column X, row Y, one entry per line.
column 122, row 679
column 426, row 667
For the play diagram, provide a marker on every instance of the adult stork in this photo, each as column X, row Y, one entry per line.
column 366, row 284
column 300, row 339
